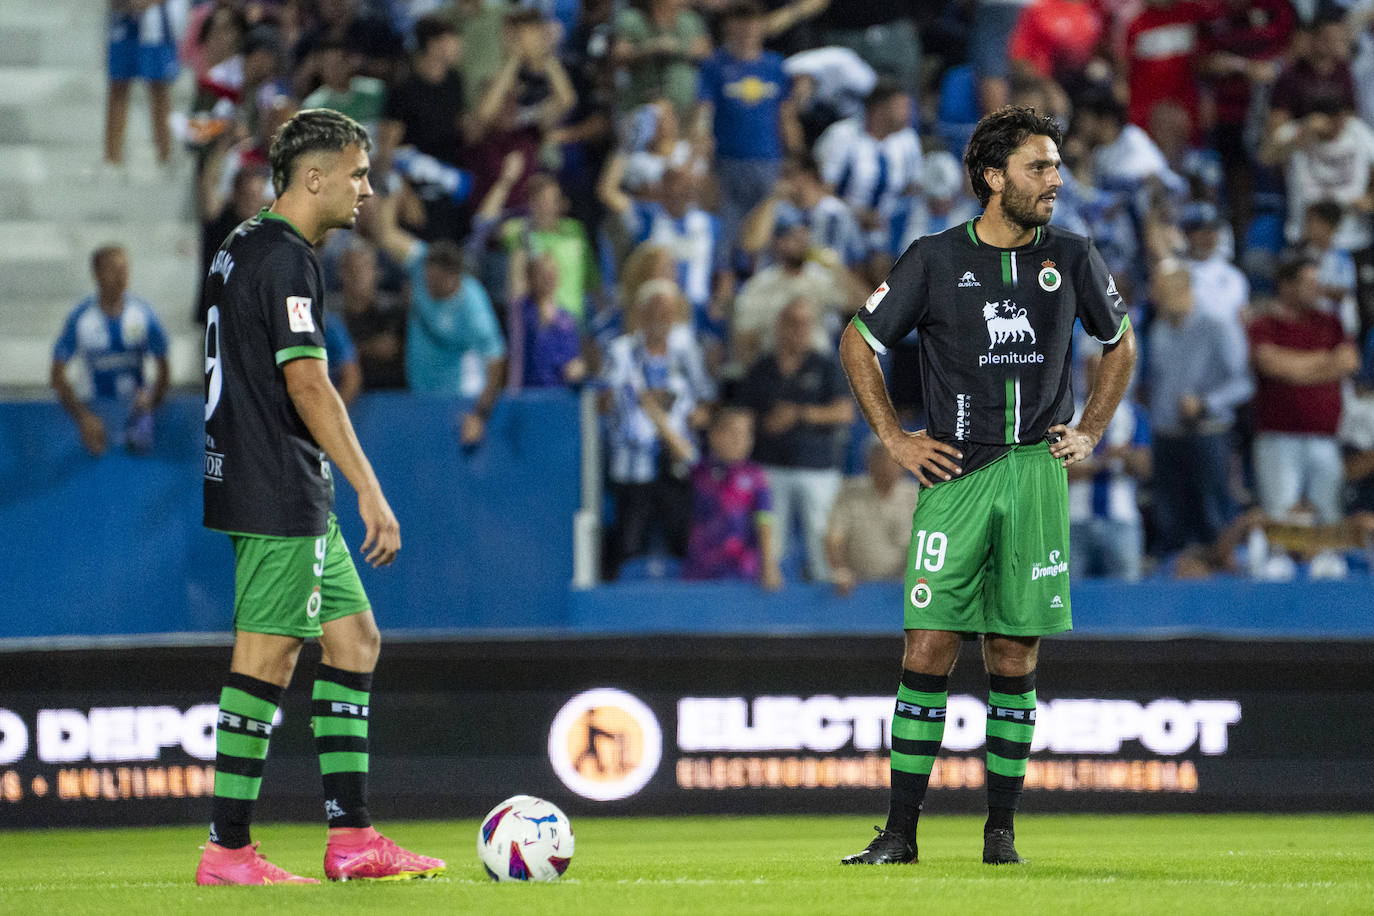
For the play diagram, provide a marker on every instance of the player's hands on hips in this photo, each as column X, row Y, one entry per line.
column 1073, row 446
column 925, row 457
column 383, row 539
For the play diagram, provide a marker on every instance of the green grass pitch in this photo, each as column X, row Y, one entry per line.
column 1223, row 864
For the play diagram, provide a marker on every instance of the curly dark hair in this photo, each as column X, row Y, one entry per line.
column 997, row 136
column 313, row 130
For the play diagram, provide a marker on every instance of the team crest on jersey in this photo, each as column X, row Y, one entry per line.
column 298, row 314
column 877, row 297
column 1049, row 278
column 968, row 280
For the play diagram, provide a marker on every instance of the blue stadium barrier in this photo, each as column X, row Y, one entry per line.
column 114, row 546
column 1153, row 609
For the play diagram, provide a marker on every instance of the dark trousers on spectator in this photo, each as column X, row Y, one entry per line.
column 1191, row 490
column 662, row 506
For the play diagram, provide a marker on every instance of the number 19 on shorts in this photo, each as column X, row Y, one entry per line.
column 927, row 555
column 928, row 550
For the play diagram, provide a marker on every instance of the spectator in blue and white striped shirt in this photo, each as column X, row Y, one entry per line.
column 112, row 333
column 873, row 162
column 657, row 391
column 675, row 220
column 1106, row 532
column 801, row 195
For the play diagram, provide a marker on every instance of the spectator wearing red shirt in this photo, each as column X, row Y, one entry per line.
column 1161, row 45
column 1057, row 38
column 1322, row 70
column 1300, row 355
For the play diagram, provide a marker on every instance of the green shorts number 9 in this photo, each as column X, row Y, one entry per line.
column 289, row 586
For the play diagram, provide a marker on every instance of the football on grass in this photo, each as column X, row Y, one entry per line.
column 525, row 839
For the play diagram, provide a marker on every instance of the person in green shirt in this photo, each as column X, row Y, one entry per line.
column 343, row 89
column 546, row 230
column 661, row 48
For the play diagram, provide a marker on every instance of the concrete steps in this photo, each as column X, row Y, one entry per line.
column 60, row 202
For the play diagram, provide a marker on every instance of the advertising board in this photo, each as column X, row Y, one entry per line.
column 698, row 725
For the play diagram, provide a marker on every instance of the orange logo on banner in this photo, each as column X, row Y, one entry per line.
column 605, row 744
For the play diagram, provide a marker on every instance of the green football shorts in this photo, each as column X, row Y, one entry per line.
column 990, row 552
column 288, row 586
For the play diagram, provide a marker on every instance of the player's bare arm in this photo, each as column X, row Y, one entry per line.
column 1076, row 443
column 318, row 403
column 917, row 452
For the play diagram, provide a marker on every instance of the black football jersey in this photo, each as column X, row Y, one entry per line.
column 264, row 304
column 994, row 330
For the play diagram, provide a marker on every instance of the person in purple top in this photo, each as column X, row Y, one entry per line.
column 546, row 345
column 732, row 525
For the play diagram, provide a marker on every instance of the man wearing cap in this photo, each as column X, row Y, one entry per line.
column 1220, row 289
column 793, row 275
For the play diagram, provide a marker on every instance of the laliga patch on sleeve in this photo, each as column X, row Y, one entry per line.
column 877, row 297
column 298, row 313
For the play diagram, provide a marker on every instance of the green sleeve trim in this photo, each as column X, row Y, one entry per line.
column 290, row 353
column 867, row 335
column 763, row 517
column 1125, row 323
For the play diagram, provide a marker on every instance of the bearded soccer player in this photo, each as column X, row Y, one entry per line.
column 273, row 424
column 993, row 302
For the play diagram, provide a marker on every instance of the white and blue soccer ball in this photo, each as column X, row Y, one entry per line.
column 525, row 839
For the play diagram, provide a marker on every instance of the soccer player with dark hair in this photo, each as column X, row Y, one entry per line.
column 273, row 425
column 994, row 302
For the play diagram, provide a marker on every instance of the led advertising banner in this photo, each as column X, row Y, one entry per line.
column 698, row 725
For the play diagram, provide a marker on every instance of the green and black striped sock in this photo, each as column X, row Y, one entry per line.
column 339, row 710
column 246, row 709
column 1011, row 724
column 918, row 726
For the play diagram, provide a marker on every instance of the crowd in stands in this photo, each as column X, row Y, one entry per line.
column 681, row 204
